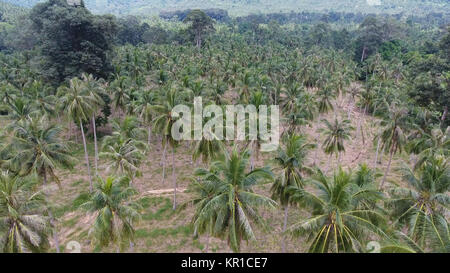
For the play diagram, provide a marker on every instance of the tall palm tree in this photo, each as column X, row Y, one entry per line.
column 337, row 223
column 163, row 123
column 290, row 164
column 231, row 203
column 94, row 89
column 115, row 214
column 393, row 136
column 23, row 228
column 144, row 108
column 336, row 133
column 79, row 106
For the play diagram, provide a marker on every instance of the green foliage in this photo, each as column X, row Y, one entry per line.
column 72, row 40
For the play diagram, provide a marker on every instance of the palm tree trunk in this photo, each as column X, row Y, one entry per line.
column 70, row 129
column 387, row 168
column 149, row 139
column 164, row 163
column 252, row 159
column 318, row 141
column 52, row 219
column 207, row 243
column 174, row 178
column 376, row 154
column 329, row 163
column 283, row 242
column 86, row 156
column 95, row 144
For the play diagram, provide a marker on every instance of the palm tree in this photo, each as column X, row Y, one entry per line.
column 36, row 146
column 230, row 205
column 423, row 205
column 163, row 123
column 290, row 165
column 128, row 128
column 95, row 90
column 23, row 228
column 336, row 134
column 324, row 105
column 337, row 223
column 144, row 109
column 120, row 92
column 20, row 109
column 124, row 157
column 115, row 213
column 430, row 144
column 393, row 136
column 79, row 107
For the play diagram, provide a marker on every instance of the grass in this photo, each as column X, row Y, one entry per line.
column 163, row 212
column 157, row 232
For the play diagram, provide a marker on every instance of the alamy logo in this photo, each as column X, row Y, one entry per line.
column 229, row 122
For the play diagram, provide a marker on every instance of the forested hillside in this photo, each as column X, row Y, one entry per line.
column 245, row 7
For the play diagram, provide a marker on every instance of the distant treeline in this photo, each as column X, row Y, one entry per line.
column 219, row 15
column 439, row 19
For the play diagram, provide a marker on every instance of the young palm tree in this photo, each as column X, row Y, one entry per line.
column 393, row 136
column 23, row 228
column 79, row 107
column 423, row 205
column 337, row 224
column 336, row 134
column 289, row 163
column 115, row 214
column 231, row 203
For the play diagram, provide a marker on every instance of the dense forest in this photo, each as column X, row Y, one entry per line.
column 87, row 153
column 246, row 7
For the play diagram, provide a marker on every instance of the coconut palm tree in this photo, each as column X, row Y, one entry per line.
column 163, row 123
column 115, row 213
column 422, row 205
column 94, row 89
column 337, row 223
column 144, row 109
column 290, row 166
column 393, row 136
column 230, row 205
column 36, row 147
column 20, row 109
column 23, row 228
column 79, row 106
column 120, row 92
column 123, row 157
column 336, row 134
column 430, row 144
